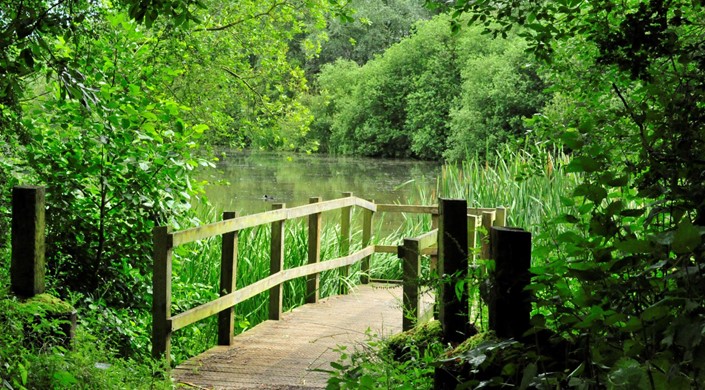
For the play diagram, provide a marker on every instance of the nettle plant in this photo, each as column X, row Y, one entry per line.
column 115, row 156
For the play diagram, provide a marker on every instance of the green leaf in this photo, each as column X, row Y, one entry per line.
column 584, row 164
column 572, row 139
column 65, row 379
column 633, row 246
column 529, row 374
column 23, row 373
column 200, row 128
column 686, row 238
column 655, row 312
column 592, row 192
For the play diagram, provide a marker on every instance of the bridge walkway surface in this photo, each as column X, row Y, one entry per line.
column 285, row 354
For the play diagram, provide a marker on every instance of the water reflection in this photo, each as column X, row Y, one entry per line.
column 258, row 179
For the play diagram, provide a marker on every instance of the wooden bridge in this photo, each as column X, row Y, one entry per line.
column 288, row 350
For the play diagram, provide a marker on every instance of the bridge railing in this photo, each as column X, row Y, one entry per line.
column 479, row 222
column 164, row 323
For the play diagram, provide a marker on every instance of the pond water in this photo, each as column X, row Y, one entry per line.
column 293, row 178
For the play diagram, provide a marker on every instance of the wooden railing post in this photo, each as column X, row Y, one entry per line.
column 473, row 223
column 488, row 218
column 345, row 216
column 314, row 252
column 500, row 217
column 161, row 292
column 228, row 275
column 27, row 267
column 410, row 254
column 478, row 272
column 276, row 264
column 453, row 267
column 367, row 216
column 434, row 258
column 510, row 305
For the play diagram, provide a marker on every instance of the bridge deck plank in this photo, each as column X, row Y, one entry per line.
column 284, row 354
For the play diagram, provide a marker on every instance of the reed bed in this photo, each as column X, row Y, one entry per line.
column 530, row 182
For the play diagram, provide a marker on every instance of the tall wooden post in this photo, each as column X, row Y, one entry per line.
column 367, row 216
column 453, row 267
column 411, row 263
column 314, row 252
column 276, row 264
column 510, row 303
column 228, row 276
column 27, row 268
column 161, row 292
column 345, row 216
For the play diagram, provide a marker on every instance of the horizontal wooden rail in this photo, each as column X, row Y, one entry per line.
column 433, row 209
column 404, row 208
column 248, row 221
column 395, row 248
column 227, row 301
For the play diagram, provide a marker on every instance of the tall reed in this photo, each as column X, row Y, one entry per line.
column 530, row 182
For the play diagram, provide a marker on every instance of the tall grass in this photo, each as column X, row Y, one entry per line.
column 530, row 182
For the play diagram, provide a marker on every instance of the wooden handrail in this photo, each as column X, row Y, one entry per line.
column 247, row 221
column 227, row 301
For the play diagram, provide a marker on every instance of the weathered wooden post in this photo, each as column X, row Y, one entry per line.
column 161, row 292
column 276, row 264
column 453, row 267
column 500, row 217
column 510, row 303
column 367, row 216
column 488, row 218
column 475, row 308
column 345, row 216
column 410, row 255
column 27, row 268
column 434, row 257
column 228, row 275
column 314, row 252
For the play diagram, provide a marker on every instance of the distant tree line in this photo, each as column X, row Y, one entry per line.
column 432, row 95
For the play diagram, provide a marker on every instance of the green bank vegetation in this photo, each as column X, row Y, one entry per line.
column 112, row 106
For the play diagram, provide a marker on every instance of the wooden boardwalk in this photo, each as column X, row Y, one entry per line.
column 285, row 354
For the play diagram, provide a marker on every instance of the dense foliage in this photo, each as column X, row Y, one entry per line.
column 373, row 27
column 108, row 106
column 433, row 95
column 624, row 280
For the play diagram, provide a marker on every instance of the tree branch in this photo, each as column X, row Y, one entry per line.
column 235, row 23
column 261, row 98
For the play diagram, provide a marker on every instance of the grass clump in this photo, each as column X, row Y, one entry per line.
column 405, row 361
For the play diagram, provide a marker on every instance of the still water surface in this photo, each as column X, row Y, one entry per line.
column 294, row 178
